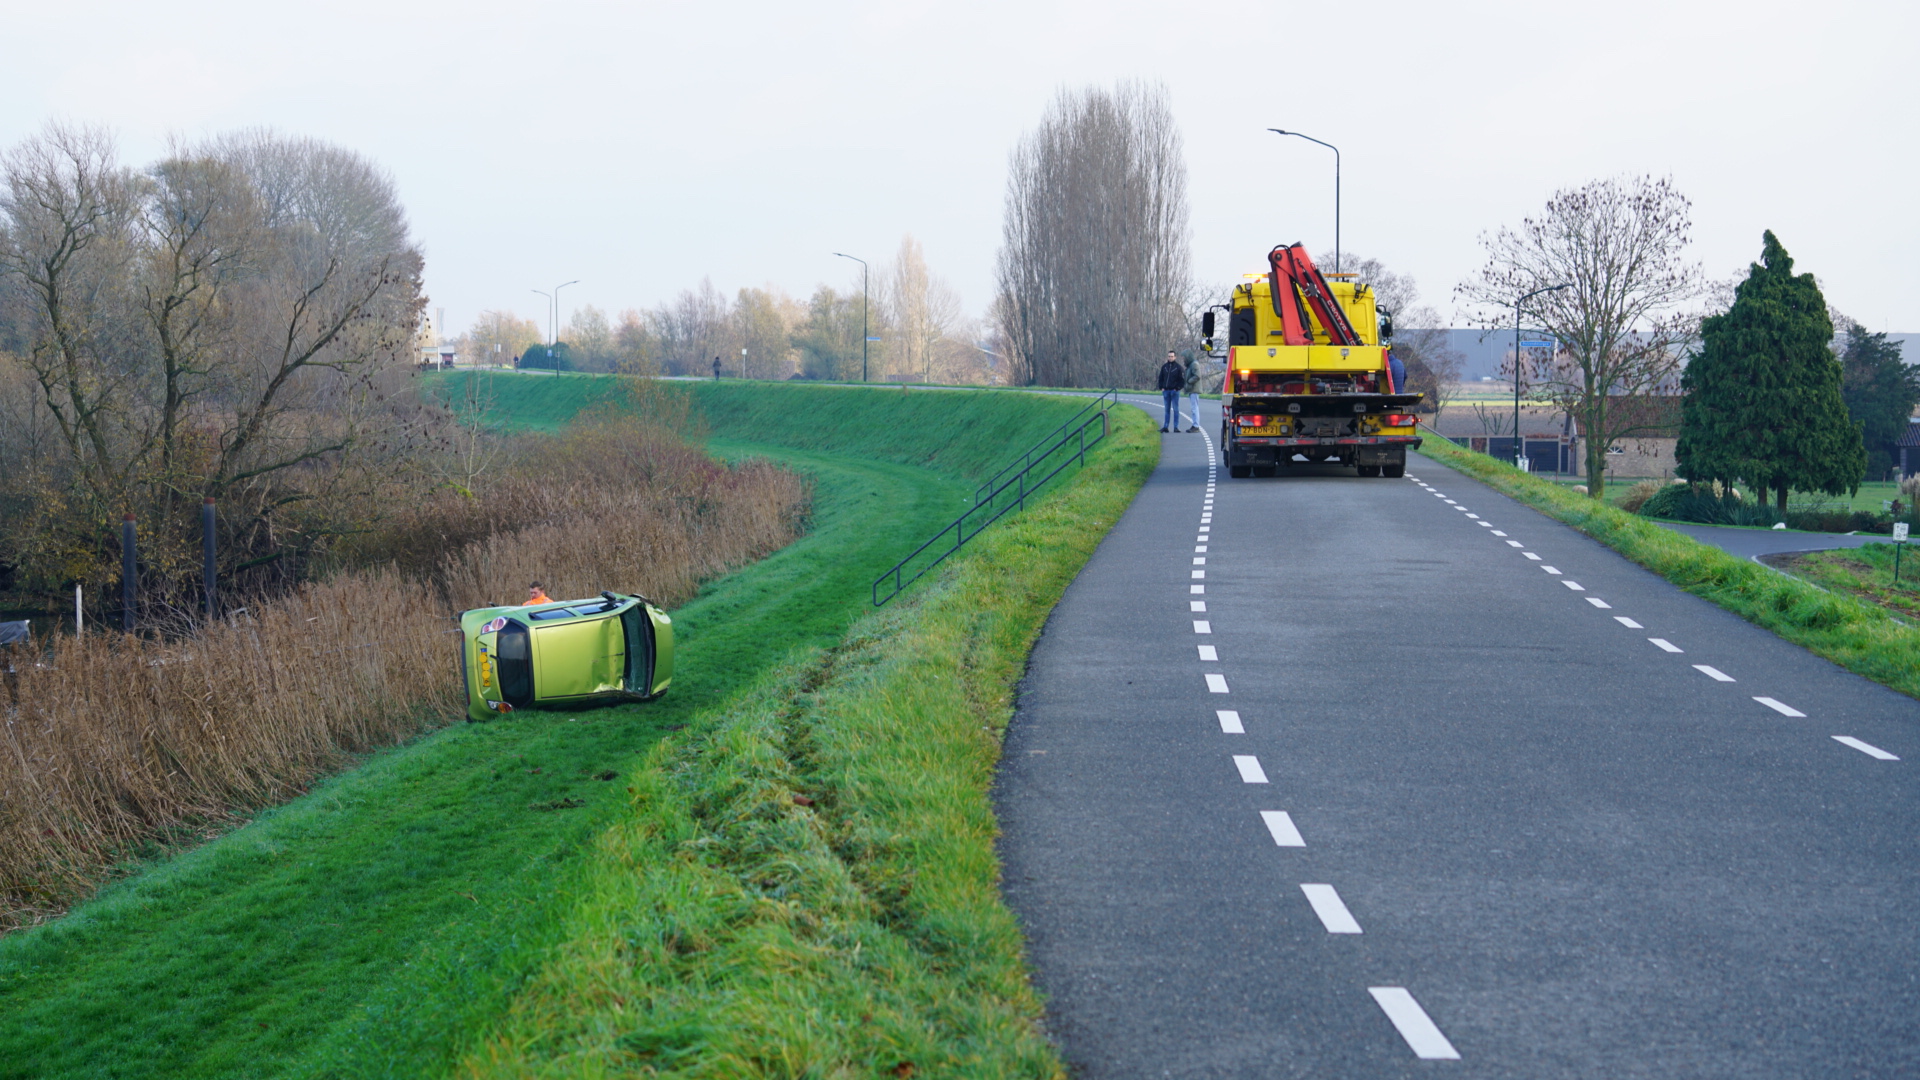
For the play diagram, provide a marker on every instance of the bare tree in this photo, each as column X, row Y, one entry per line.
column 1419, row 336
column 590, row 338
column 496, row 337
column 1618, row 245
column 918, row 309
column 218, row 325
column 1094, row 265
column 763, row 324
column 692, row 330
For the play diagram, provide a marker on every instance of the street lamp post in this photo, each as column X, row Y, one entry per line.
column 549, row 297
column 865, row 334
column 1336, row 190
column 1516, row 362
column 556, row 307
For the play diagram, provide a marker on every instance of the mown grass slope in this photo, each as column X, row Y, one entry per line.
column 807, row 887
column 378, row 924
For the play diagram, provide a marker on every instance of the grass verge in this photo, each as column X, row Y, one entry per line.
column 1864, row 573
column 1859, row 637
column 808, row 887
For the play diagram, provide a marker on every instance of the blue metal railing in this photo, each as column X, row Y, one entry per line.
column 1008, row 490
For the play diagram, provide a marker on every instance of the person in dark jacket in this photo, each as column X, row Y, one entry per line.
column 1192, row 373
column 1171, row 381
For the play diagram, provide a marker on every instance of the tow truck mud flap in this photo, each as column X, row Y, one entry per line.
column 1379, row 455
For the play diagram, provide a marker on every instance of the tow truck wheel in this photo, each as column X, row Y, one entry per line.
column 1394, row 471
column 1239, row 472
column 1367, row 470
column 1267, row 468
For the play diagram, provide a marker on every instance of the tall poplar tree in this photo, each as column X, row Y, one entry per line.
column 1763, row 403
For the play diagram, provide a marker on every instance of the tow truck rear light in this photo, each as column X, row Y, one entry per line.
column 1250, row 421
column 1402, row 419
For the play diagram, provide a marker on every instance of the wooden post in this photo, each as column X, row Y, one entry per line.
column 207, row 551
column 129, row 582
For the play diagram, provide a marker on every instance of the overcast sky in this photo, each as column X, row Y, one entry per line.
column 642, row 146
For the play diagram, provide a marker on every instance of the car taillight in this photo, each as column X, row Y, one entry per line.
column 1250, row 421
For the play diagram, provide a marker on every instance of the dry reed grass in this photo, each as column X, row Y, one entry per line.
column 115, row 744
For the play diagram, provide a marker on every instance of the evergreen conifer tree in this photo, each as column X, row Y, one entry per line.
column 1763, row 403
column 1880, row 391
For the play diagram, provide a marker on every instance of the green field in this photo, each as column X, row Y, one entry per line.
column 385, row 923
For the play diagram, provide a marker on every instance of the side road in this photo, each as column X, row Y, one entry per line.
column 1321, row 775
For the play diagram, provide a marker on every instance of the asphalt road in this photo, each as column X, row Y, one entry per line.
column 1406, row 775
column 1747, row 543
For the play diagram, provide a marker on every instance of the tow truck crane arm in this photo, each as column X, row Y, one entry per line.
column 1305, row 283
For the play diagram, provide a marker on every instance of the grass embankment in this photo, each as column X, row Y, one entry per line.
column 382, row 923
column 808, row 887
column 1859, row 637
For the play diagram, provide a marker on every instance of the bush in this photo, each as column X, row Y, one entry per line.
column 1638, row 494
column 555, row 357
column 1699, row 504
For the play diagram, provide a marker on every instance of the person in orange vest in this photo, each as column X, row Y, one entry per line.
column 537, row 594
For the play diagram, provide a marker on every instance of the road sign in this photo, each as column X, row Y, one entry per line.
column 1899, row 532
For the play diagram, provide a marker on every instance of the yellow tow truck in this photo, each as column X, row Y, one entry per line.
column 1309, row 374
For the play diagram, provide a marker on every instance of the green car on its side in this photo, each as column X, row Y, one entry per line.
column 570, row 652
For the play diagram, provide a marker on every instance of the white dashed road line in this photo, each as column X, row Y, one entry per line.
column 1599, row 603
column 1574, row 585
column 1665, row 645
column 1196, row 605
column 1209, row 653
column 1250, row 770
column 1333, row 914
column 1216, row 684
column 1551, row 569
column 1628, row 623
column 1198, row 590
column 1865, row 748
column 1422, row 1035
column 1782, row 709
column 1516, row 543
column 1528, row 554
column 1202, row 626
column 1717, row 675
column 1280, row 827
column 1230, row 722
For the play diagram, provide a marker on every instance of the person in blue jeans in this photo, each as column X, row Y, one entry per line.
column 1171, row 381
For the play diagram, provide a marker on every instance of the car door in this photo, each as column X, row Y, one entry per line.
column 637, row 629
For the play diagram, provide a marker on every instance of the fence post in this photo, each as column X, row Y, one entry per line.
column 207, row 554
column 129, row 585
